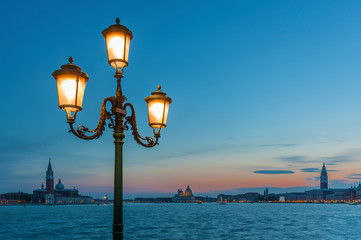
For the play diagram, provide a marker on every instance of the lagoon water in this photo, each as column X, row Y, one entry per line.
column 184, row 221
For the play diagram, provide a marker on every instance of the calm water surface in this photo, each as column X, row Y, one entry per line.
column 184, row 221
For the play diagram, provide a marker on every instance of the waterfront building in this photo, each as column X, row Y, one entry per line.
column 15, row 198
column 358, row 193
column 265, row 193
column 324, row 193
column 225, row 198
column 248, row 197
column 323, row 178
column 187, row 197
column 245, row 197
column 151, row 200
column 180, row 193
column 332, row 194
column 206, row 199
column 49, row 196
column 341, row 194
column 295, row 197
column 59, row 195
column 317, row 194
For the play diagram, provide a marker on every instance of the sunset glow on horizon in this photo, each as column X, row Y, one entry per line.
column 264, row 104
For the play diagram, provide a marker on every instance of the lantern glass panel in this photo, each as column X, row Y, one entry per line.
column 66, row 84
column 118, row 48
column 158, row 112
column 81, row 89
column 70, row 91
column 127, row 43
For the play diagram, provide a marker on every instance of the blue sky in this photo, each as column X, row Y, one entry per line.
column 263, row 93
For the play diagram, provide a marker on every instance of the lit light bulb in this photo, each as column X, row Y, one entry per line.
column 116, row 47
column 157, row 111
column 69, row 89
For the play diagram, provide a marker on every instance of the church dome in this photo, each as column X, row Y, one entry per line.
column 188, row 192
column 59, row 186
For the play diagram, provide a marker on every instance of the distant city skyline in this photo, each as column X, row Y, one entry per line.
column 263, row 93
column 211, row 193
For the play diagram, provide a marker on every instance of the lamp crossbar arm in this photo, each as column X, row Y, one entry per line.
column 81, row 131
column 144, row 141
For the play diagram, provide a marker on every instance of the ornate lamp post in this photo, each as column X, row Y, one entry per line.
column 71, row 83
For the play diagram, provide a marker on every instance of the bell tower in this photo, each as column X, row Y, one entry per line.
column 49, row 179
column 323, row 178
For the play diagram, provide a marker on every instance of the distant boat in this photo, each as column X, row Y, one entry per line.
column 200, row 202
column 222, row 203
column 353, row 203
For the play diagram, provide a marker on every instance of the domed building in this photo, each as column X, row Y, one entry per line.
column 59, row 195
column 187, row 197
column 188, row 192
column 59, row 186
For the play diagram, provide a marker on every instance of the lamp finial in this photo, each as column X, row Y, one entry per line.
column 117, row 20
column 71, row 60
column 159, row 87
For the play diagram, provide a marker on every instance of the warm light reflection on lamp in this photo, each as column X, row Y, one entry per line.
column 70, row 81
column 68, row 88
column 158, row 106
column 117, row 38
column 156, row 109
column 116, row 46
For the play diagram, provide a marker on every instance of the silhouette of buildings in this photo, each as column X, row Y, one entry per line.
column 323, row 178
column 187, row 197
column 265, row 193
column 325, row 194
column 59, row 195
column 246, row 197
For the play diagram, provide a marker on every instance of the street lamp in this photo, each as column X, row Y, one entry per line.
column 71, row 83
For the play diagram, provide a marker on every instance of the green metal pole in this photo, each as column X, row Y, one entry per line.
column 118, row 226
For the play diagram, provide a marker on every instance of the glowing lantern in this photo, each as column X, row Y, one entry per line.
column 70, row 81
column 158, row 105
column 117, row 38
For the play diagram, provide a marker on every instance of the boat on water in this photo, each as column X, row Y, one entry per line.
column 222, row 203
column 353, row 203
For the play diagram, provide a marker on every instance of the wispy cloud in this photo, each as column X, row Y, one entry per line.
column 350, row 155
column 340, row 183
column 338, row 159
column 313, row 179
column 310, row 170
column 274, row 172
column 316, row 170
column 278, row 145
column 354, row 176
column 294, row 159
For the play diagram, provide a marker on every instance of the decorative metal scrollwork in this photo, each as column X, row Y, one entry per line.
column 81, row 131
column 132, row 121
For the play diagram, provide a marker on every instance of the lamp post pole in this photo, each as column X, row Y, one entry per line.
column 118, row 226
column 71, row 85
